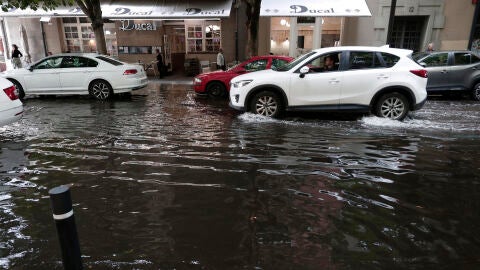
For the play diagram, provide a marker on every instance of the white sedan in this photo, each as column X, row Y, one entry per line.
column 11, row 108
column 77, row 74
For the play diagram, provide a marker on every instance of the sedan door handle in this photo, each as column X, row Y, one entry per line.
column 382, row 76
column 444, row 71
column 334, row 81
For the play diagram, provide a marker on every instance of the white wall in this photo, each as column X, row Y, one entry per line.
column 34, row 34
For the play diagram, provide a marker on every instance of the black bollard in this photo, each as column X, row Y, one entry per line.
column 66, row 228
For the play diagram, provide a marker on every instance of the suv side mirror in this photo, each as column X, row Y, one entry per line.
column 304, row 70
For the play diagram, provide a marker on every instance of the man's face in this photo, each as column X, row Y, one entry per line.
column 328, row 62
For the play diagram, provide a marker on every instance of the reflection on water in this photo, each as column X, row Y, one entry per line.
column 163, row 179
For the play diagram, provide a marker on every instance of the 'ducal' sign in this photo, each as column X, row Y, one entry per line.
column 128, row 25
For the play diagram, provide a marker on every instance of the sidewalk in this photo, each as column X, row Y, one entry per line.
column 173, row 79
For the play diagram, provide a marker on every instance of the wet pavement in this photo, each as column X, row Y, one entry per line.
column 166, row 180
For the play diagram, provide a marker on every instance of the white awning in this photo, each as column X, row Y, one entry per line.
column 314, row 8
column 166, row 9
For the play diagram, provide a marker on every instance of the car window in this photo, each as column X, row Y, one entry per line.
column 436, row 60
column 77, row 62
column 462, row 58
column 52, row 62
column 324, row 63
column 276, row 63
column 363, row 60
column 110, row 60
column 389, row 59
column 256, row 65
column 295, row 62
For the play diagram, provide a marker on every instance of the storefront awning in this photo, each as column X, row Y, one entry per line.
column 314, row 8
column 166, row 9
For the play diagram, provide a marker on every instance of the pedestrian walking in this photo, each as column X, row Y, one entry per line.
column 16, row 54
column 159, row 63
column 430, row 48
column 221, row 60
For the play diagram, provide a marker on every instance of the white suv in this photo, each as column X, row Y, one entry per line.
column 381, row 80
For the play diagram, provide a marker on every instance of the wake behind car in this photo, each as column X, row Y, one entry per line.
column 77, row 74
column 452, row 72
column 217, row 83
column 381, row 80
column 11, row 108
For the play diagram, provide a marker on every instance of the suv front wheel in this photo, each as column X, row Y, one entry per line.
column 267, row 103
column 392, row 105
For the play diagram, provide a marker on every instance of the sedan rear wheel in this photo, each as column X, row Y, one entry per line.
column 100, row 90
column 18, row 86
column 392, row 105
column 476, row 92
column 267, row 103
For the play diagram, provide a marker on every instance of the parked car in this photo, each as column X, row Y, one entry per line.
column 452, row 71
column 77, row 74
column 11, row 108
column 217, row 83
column 381, row 80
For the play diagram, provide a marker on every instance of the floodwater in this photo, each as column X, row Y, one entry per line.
column 166, row 180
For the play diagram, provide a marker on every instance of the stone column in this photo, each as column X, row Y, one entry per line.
column 317, row 33
column 292, row 39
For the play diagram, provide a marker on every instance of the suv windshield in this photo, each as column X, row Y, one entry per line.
column 295, row 62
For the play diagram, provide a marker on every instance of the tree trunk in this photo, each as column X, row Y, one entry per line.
column 253, row 17
column 99, row 37
column 93, row 10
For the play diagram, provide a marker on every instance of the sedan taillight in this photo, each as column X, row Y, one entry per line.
column 420, row 72
column 130, row 72
column 11, row 92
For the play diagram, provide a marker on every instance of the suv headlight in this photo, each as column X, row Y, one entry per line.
column 241, row 83
column 197, row 81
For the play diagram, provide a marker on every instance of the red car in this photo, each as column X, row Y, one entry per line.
column 217, row 83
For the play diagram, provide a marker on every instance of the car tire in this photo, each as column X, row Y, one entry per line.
column 476, row 92
column 216, row 89
column 100, row 90
column 268, row 104
column 21, row 93
column 393, row 105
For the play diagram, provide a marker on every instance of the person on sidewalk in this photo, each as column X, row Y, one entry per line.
column 221, row 60
column 16, row 54
column 159, row 63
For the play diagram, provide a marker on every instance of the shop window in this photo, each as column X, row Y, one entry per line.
column 135, row 50
column 194, row 38
column 79, row 35
column 203, row 37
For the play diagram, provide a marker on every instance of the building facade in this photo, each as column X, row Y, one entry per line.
column 449, row 24
column 446, row 23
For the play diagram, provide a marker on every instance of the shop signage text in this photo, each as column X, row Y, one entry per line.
column 128, row 25
column 127, row 11
column 199, row 11
column 303, row 9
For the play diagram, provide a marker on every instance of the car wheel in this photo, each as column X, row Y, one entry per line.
column 18, row 86
column 216, row 89
column 392, row 105
column 100, row 89
column 267, row 103
column 476, row 92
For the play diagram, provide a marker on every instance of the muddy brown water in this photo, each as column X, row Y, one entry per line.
column 166, row 180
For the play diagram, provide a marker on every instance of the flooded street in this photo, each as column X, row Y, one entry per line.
column 166, row 180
